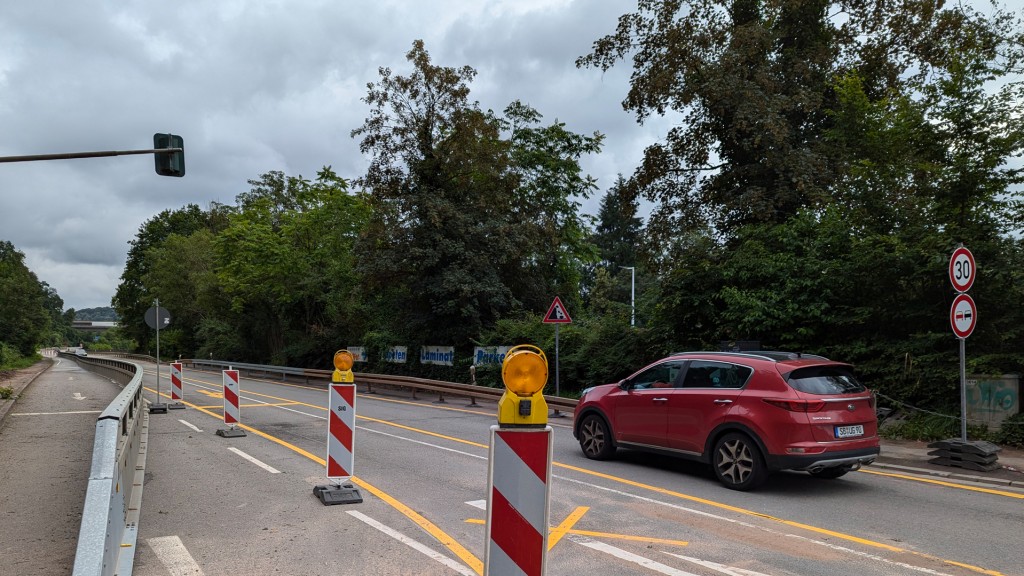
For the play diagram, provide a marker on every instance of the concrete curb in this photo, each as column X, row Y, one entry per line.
column 1017, row 485
column 8, row 405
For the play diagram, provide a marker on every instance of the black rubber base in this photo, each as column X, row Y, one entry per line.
column 176, row 406
column 231, row 433
column 331, row 494
column 158, row 408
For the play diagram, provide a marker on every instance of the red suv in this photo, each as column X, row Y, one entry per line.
column 745, row 414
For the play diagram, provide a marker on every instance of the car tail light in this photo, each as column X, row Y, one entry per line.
column 796, row 405
column 873, row 401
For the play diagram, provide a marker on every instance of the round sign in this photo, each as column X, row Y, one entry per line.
column 157, row 317
column 963, row 315
column 961, row 269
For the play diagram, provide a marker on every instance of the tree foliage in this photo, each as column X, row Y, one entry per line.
column 483, row 223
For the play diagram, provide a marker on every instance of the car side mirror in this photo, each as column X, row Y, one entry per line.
column 624, row 384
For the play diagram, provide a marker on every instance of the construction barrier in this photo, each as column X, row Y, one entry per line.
column 341, row 426
column 232, row 417
column 518, row 487
column 177, row 394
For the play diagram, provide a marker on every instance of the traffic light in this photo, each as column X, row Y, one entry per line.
column 169, row 163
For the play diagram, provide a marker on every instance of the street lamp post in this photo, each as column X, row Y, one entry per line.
column 632, row 294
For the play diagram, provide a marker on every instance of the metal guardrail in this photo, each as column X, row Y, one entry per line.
column 107, row 536
column 442, row 388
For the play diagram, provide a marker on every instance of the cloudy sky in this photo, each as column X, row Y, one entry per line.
column 252, row 87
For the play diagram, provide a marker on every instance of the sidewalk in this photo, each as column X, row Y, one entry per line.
column 46, row 442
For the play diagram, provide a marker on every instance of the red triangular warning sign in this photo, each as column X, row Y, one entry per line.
column 557, row 314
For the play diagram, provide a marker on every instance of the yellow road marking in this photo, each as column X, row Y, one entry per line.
column 610, row 535
column 948, row 484
column 555, row 535
column 667, row 492
column 468, row 557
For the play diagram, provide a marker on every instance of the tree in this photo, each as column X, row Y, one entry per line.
column 285, row 266
column 133, row 298
column 481, row 224
column 753, row 83
column 24, row 318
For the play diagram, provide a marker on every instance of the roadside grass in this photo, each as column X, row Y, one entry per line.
column 6, row 393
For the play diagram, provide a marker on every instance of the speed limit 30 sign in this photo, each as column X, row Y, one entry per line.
column 961, row 269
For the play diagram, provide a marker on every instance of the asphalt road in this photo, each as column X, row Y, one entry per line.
column 216, row 505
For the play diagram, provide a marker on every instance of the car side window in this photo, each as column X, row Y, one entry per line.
column 663, row 375
column 705, row 374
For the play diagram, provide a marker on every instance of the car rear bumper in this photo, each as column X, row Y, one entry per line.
column 814, row 462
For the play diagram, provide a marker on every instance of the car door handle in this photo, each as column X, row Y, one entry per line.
column 720, row 401
column 659, row 399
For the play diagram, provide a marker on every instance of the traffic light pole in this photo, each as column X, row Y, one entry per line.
column 73, row 155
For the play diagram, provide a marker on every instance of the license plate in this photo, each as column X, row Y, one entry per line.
column 849, row 431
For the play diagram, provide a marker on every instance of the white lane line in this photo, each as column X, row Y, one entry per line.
column 461, row 569
column 266, row 467
column 190, row 425
column 174, row 556
column 481, row 504
column 627, row 556
column 56, row 413
column 724, row 569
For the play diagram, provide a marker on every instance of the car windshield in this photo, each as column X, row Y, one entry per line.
column 825, row 380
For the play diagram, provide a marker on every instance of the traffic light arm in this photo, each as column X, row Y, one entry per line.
column 73, row 155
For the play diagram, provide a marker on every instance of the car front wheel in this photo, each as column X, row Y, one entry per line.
column 738, row 462
column 595, row 438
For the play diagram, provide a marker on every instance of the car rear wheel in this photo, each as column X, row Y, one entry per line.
column 831, row 473
column 738, row 462
column 595, row 438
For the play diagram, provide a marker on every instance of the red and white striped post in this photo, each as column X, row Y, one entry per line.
column 519, row 488
column 232, row 416
column 519, row 469
column 341, row 426
column 177, row 394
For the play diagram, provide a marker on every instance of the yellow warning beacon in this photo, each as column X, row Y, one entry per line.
column 524, row 372
column 343, row 361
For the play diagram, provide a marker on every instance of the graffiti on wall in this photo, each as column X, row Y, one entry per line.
column 992, row 399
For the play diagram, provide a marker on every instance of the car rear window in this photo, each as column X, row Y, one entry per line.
column 825, row 380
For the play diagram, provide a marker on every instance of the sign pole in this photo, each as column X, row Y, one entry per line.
column 156, row 303
column 963, row 389
column 556, row 360
column 557, row 314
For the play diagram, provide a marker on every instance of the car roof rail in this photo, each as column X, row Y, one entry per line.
column 773, row 355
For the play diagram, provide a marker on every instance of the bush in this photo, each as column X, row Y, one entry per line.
column 6, row 392
column 1011, row 432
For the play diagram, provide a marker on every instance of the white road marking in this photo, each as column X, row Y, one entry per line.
column 56, row 413
column 461, row 569
column 190, row 425
column 627, row 556
column 174, row 556
column 266, row 467
column 481, row 504
column 727, row 570
column 78, row 396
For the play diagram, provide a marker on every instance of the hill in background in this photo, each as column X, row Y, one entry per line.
column 102, row 314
